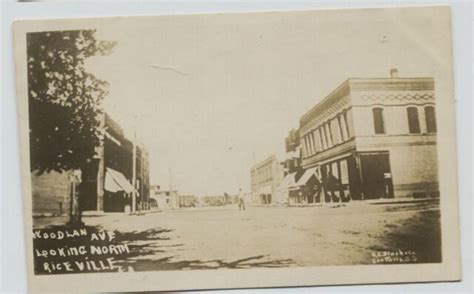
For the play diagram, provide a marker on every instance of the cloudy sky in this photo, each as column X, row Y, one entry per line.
column 209, row 94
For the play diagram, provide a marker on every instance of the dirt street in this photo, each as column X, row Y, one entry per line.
column 217, row 237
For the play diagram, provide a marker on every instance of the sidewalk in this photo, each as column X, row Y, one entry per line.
column 404, row 200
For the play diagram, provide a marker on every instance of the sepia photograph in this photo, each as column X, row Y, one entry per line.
column 217, row 146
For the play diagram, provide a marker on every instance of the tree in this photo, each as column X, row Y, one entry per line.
column 65, row 102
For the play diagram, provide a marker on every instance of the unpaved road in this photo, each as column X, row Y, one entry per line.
column 216, row 237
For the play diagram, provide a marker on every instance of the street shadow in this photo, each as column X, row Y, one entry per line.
column 144, row 256
column 150, row 234
column 149, row 250
column 420, row 233
column 167, row 263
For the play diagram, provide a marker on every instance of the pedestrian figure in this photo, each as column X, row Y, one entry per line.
column 241, row 200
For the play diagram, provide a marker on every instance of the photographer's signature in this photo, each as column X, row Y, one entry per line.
column 398, row 256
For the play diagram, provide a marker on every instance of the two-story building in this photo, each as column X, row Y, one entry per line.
column 109, row 184
column 265, row 179
column 372, row 138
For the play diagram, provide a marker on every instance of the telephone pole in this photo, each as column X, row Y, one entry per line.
column 134, row 165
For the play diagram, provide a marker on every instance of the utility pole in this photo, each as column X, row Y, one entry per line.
column 101, row 166
column 171, row 187
column 134, row 165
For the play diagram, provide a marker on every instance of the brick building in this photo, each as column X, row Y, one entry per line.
column 107, row 186
column 372, row 138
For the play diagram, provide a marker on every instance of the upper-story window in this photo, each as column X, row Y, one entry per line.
column 317, row 141
column 343, row 128
column 305, row 149
column 322, row 134
column 430, row 119
column 311, row 140
column 340, row 127
column 344, row 116
column 379, row 126
column 413, row 120
column 329, row 134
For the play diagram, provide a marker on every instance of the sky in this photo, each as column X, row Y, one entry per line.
column 210, row 95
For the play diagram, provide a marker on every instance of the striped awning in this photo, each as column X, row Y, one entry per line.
column 115, row 181
column 306, row 176
column 289, row 181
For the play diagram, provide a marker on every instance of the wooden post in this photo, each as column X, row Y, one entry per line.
column 74, row 213
column 100, row 179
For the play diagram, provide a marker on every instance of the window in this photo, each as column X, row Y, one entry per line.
column 344, row 116
column 335, row 131
column 413, row 120
column 334, row 170
column 379, row 127
column 311, row 140
column 305, row 139
column 341, row 128
column 430, row 119
column 329, row 135
column 344, row 172
column 317, row 140
column 322, row 134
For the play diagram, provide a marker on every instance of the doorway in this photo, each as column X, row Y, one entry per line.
column 376, row 175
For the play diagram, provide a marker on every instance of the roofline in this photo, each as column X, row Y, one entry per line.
column 343, row 85
column 261, row 162
column 347, row 83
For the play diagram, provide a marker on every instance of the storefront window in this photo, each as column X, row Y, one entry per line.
column 334, row 170
column 344, row 172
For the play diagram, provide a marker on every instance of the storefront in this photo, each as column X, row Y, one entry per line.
column 266, row 195
column 356, row 176
column 289, row 189
column 117, row 192
column 309, row 185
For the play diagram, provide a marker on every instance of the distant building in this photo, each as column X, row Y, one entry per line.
column 265, row 178
column 164, row 199
column 188, row 201
column 372, row 138
column 216, row 200
column 107, row 185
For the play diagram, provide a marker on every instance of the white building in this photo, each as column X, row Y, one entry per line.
column 164, row 199
column 266, row 177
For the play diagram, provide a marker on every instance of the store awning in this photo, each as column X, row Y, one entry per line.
column 306, row 176
column 115, row 181
column 289, row 181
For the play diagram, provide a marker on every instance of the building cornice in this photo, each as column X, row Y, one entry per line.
column 369, row 85
column 392, row 84
column 334, row 151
